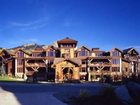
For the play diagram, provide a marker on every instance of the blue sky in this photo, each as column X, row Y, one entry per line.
column 94, row 23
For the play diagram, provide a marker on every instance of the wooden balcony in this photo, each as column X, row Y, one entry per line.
column 35, row 58
column 133, row 59
column 100, row 64
column 100, row 57
column 105, row 72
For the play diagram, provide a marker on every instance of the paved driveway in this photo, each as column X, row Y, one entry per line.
column 40, row 94
column 36, row 98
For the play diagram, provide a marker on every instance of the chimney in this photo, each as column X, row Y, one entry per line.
column 95, row 49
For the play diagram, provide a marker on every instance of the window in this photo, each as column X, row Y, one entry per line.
column 83, row 69
column 115, row 69
column 115, row 61
column 20, row 54
column 98, row 54
column 126, row 69
column 36, row 54
column 51, row 53
column 43, row 54
column 19, row 62
column 19, row 70
column 83, row 52
column 91, row 68
column 83, row 61
column 115, row 53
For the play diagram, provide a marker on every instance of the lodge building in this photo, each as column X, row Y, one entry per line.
column 64, row 61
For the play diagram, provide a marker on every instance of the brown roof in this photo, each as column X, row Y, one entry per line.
column 100, row 57
column 57, row 60
column 6, row 51
column 74, row 60
column 67, row 40
column 125, row 51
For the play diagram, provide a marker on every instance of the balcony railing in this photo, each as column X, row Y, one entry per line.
column 35, row 65
column 100, row 64
column 100, row 72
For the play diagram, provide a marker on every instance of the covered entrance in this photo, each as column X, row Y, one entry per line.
column 66, row 69
column 67, row 73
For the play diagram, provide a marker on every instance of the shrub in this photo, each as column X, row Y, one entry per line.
column 106, row 97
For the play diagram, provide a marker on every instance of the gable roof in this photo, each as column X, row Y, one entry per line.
column 26, row 52
column 125, row 51
column 117, row 49
column 73, row 60
column 128, row 50
column 7, row 52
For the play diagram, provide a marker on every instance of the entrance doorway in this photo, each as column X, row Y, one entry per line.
column 67, row 74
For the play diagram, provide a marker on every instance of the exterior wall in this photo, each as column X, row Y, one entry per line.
column 139, row 67
column 62, row 51
column 76, row 74
column 126, row 71
column 71, row 52
column 10, row 68
column 93, row 54
column 20, row 75
column 19, row 68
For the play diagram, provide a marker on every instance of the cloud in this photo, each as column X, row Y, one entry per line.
column 37, row 24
